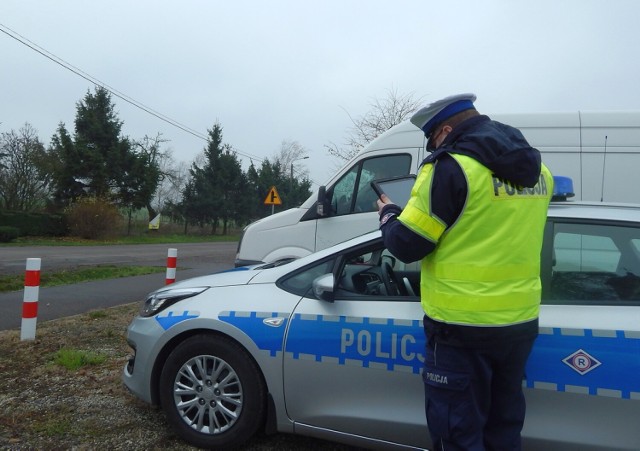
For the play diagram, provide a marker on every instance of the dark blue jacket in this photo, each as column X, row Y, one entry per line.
column 506, row 152
column 499, row 147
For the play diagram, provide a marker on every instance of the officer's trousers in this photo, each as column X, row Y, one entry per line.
column 473, row 397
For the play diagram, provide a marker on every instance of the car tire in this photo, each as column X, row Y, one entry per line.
column 212, row 392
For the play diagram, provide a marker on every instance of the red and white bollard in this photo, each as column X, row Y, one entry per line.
column 30, row 299
column 172, row 260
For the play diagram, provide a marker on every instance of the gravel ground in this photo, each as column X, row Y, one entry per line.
column 44, row 405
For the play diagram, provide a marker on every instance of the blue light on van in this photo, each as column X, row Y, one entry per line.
column 562, row 188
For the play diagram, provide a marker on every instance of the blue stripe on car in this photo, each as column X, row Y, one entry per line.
column 392, row 344
column 170, row 320
column 251, row 323
column 605, row 363
column 611, row 360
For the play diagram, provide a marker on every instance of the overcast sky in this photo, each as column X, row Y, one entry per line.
column 273, row 70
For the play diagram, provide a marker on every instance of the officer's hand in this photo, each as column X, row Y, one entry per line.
column 384, row 200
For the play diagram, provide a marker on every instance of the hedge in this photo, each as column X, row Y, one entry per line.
column 35, row 224
column 8, row 234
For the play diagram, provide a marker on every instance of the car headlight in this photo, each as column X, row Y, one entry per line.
column 160, row 300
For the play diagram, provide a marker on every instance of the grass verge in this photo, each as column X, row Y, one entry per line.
column 73, row 359
column 66, row 277
column 45, row 405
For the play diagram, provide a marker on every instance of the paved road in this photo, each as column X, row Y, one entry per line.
column 54, row 258
column 194, row 259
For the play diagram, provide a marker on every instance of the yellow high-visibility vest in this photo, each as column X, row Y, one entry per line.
column 485, row 269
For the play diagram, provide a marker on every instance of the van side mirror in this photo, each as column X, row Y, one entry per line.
column 322, row 206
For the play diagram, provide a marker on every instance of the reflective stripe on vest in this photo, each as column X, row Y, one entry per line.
column 485, row 269
column 417, row 214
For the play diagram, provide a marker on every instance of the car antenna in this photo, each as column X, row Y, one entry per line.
column 604, row 162
column 581, row 168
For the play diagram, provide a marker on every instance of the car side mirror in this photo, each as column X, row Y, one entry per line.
column 323, row 287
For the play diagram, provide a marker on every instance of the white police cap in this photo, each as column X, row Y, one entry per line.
column 429, row 116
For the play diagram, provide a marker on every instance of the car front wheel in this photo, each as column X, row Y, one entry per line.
column 212, row 393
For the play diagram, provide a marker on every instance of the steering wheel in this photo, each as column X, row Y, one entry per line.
column 391, row 282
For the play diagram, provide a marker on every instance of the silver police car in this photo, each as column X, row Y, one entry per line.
column 331, row 345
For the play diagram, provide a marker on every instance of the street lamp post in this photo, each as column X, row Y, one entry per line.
column 291, row 179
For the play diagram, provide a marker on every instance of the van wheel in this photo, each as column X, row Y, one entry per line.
column 212, row 392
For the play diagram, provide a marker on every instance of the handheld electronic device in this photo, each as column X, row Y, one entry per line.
column 398, row 189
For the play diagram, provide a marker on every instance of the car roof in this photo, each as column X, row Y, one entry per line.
column 595, row 210
column 605, row 211
column 565, row 209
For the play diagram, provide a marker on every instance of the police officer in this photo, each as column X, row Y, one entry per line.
column 475, row 219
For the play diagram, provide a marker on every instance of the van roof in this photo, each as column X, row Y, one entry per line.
column 403, row 135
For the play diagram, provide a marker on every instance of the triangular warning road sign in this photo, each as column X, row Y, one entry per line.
column 273, row 198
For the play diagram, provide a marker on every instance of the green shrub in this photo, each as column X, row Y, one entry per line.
column 53, row 225
column 35, row 224
column 92, row 218
column 8, row 234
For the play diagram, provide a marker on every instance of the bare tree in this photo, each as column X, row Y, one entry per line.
column 24, row 181
column 291, row 152
column 171, row 186
column 384, row 114
column 151, row 148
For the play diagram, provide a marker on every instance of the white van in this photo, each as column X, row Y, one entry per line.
column 599, row 151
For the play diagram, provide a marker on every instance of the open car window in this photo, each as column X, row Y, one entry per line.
column 373, row 273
